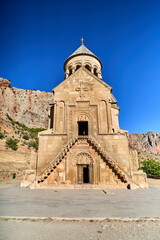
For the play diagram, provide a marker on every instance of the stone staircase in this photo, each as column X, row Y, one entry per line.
column 125, row 177
column 110, row 160
column 57, row 161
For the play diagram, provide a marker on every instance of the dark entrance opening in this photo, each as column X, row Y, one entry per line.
column 85, row 174
column 82, row 128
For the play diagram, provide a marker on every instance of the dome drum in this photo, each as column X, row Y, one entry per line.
column 82, row 57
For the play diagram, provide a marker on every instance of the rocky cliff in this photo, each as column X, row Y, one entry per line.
column 28, row 107
column 146, row 142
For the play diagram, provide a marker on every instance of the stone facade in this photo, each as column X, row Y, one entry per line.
column 84, row 145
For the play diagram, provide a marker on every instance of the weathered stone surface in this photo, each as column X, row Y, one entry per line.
column 29, row 107
column 4, row 83
column 149, row 142
column 132, row 186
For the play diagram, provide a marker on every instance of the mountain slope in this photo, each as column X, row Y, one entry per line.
column 146, row 142
column 29, row 107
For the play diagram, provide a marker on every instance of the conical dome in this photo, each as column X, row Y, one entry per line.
column 83, row 57
column 82, row 50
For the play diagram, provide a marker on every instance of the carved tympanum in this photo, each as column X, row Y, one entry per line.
column 82, row 118
column 83, row 158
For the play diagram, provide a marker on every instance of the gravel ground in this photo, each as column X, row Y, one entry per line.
column 9, row 184
column 154, row 182
column 78, row 230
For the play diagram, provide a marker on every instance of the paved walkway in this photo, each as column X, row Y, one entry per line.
column 87, row 203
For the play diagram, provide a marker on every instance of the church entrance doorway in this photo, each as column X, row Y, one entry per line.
column 83, row 173
column 82, row 128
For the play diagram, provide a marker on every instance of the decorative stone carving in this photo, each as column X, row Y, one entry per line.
column 82, row 118
column 81, row 89
column 103, row 118
column 83, row 158
column 82, row 142
column 61, row 117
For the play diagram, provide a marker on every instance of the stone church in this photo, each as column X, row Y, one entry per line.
column 84, row 147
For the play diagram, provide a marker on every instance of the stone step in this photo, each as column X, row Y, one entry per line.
column 59, row 158
column 83, row 186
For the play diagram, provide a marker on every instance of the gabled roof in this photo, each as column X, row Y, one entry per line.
column 82, row 50
column 113, row 99
column 96, row 78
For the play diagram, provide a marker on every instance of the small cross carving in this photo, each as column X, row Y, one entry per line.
column 80, row 89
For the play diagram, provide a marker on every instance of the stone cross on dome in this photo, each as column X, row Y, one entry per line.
column 82, row 40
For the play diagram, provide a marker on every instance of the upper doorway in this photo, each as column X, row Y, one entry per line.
column 83, row 128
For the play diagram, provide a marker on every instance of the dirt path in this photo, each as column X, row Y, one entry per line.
column 79, row 230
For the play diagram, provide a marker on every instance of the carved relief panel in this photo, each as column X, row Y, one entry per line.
column 82, row 112
column 60, row 117
column 103, row 117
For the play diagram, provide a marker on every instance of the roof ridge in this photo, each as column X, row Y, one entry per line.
column 82, row 50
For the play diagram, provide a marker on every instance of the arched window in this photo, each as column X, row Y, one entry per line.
column 95, row 72
column 77, row 67
column 70, row 71
column 88, row 67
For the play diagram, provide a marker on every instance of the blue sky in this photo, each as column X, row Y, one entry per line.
column 37, row 36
